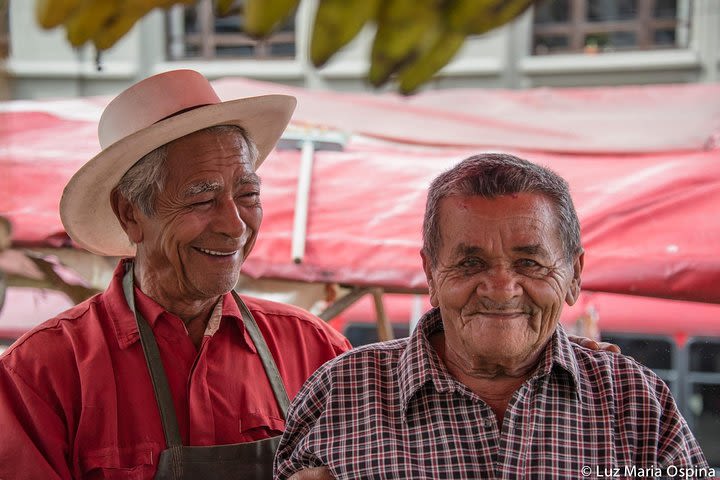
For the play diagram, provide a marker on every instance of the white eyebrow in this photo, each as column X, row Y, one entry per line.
column 249, row 179
column 201, row 187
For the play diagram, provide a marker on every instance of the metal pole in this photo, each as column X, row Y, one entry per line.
column 302, row 199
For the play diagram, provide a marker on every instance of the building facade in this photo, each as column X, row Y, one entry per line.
column 558, row 43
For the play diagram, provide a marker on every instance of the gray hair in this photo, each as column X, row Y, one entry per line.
column 491, row 175
column 141, row 184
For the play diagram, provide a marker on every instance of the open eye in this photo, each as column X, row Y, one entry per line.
column 471, row 262
column 248, row 195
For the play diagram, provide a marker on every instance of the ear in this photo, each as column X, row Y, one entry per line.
column 128, row 216
column 429, row 277
column 574, row 291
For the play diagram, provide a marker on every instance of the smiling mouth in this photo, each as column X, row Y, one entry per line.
column 215, row 253
column 499, row 315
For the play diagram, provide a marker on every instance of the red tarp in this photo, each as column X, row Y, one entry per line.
column 599, row 120
column 642, row 163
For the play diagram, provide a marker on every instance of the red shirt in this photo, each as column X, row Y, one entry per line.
column 76, row 399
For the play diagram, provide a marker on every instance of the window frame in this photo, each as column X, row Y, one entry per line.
column 578, row 28
column 208, row 40
column 693, row 378
column 4, row 29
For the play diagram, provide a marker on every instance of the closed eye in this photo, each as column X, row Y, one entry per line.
column 527, row 263
column 201, row 204
column 250, row 198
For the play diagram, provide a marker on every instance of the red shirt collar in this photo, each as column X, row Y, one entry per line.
column 123, row 320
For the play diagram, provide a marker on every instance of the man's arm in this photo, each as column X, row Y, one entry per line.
column 33, row 443
column 649, row 427
column 294, row 453
column 316, row 473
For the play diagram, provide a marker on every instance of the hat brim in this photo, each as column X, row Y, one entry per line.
column 85, row 208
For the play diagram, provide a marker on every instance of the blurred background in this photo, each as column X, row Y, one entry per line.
column 620, row 96
column 557, row 43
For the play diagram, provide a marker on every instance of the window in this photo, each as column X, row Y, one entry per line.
column 196, row 32
column 703, row 394
column 596, row 26
column 4, row 28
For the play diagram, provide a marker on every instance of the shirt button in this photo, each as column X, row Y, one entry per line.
column 487, row 423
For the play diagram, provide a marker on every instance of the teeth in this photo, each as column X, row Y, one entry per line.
column 213, row 252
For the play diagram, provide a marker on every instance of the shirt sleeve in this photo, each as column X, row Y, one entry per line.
column 678, row 446
column 649, row 424
column 339, row 343
column 295, row 451
column 34, row 442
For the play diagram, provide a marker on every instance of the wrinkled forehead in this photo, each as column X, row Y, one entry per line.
column 499, row 208
column 204, row 159
column 521, row 217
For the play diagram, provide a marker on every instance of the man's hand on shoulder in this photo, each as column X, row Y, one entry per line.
column 318, row 473
column 593, row 345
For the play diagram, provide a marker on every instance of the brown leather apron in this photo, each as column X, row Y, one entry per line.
column 253, row 460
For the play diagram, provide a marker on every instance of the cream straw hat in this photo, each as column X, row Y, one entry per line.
column 149, row 114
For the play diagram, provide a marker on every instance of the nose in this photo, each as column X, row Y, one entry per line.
column 499, row 284
column 228, row 220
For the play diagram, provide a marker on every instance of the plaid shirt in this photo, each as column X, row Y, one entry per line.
column 392, row 410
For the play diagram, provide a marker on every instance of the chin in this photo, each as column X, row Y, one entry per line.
column 220, row 286
column 502, row 348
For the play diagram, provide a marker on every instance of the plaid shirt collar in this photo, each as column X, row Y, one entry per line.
column 420, row 364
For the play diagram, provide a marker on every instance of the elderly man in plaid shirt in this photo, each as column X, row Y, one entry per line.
column 488, row 386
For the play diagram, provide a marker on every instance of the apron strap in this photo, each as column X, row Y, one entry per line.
column 155, row 367
column 266, row 357
column 163, row 395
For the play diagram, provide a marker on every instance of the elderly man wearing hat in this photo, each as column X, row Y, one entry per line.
column 168, row 373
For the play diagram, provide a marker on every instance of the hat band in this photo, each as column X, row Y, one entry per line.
column 183, row 111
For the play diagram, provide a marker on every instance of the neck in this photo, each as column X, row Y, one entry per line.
column 191, row 309
column 493, row 383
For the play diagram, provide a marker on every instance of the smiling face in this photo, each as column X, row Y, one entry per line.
column 500, row 279
column 206, row 220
